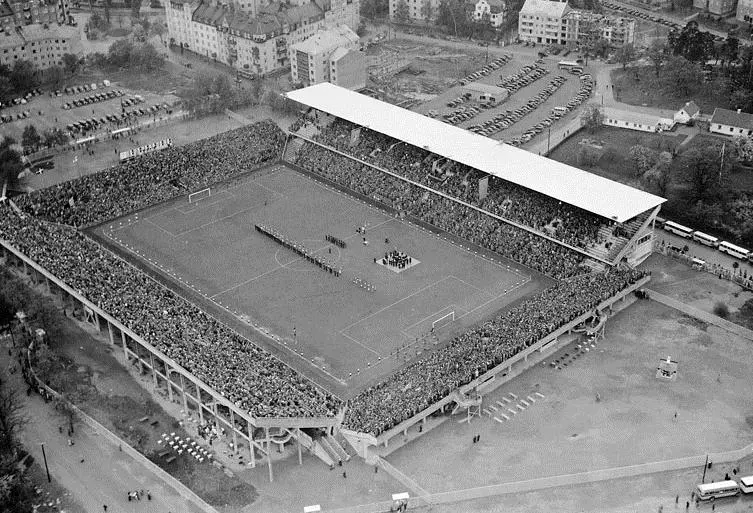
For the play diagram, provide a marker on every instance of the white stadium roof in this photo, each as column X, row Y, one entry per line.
column 584, row 190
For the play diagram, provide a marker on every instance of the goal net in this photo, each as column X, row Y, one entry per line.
column 199, row 195
column 443, row 321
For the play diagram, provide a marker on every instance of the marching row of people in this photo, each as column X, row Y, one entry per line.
column 300, row 249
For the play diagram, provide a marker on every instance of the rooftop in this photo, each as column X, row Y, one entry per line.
column 732, row 118
column 545, row 7
column 691, row 108
column 326, row 40
column 581, row 189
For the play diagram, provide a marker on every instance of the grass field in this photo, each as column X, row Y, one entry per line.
column 318, row 321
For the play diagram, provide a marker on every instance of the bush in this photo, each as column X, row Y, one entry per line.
column 721, row 309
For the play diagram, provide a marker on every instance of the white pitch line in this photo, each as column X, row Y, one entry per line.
column 498, row 420
column 540, row 395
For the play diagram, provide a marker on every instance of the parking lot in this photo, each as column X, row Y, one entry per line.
column 82, row 110
column 541, row 94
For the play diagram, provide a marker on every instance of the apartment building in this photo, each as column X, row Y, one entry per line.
column 416, row 9
column 722, row 8
column 543, row 21
column 30, row 12
column 42, row 47
column 496, row 10
column 584, row 25
column 333, row 55
column 249, row 36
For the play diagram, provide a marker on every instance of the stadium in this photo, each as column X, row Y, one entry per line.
column 331, row 287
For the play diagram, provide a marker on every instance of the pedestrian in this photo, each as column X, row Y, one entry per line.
column 148, row 495
column 376, row 469
column 104, row 507
column 713, row 507
column 677, row 499
column 345, row 475
column 675, row 415
column 687, row 505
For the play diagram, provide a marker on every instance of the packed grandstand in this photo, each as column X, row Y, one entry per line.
column 47, row 230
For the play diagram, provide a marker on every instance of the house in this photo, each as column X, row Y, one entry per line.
column 486, row 93
column 582, row 26
column 542, row 21
column 417, row 10
column 745, row 11
column 496, row 10
column 687, row 112
column 729, row 122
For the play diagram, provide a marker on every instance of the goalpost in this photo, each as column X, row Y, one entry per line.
column 199, row 195
column 443, row 321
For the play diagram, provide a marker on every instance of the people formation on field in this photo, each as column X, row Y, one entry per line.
column 243, row 372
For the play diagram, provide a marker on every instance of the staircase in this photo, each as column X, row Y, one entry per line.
column 405, row 480
column 338, row 448
column 595, row 265
column 329, row 449
column 309, row 131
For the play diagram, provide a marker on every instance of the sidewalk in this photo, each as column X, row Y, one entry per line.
column 94, row 470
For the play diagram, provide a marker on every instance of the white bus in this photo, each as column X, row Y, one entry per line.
column 746, row 484
column 711, row 491
column 705, row 239
column 678, row 229
column 735, row 251
column 568, row 65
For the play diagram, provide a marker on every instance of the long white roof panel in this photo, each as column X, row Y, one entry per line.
column 584, row 190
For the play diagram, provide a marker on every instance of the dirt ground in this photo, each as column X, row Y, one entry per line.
column 569, row 430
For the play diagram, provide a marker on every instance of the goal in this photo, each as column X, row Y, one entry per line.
column 443, row 321
column 199, row 195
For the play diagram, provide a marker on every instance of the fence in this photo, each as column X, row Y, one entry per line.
column 735, row 275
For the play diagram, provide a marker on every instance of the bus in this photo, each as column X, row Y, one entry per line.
column 678, row 229
column 711, row 491
column 735, row 251
column 705, row 239
column 568, row 65
column 746, row 484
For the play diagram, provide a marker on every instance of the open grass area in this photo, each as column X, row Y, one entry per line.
column 329, row 327
column 636, row 86
column 615, row 164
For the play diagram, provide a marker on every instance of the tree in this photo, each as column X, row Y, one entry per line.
column 374, row 8
column 54, row 75
column 135, row 9
column 138, row 33
column 625, row 54
column 681, row 77
column 402, row 11
column 11, row 419
column 742, row 147
column 741, row 98
column 588, row 156
column 592, row 118
column 70, row 63
column 30, row 138
column 658, row 178
column 65, row 409
column 119, row 53
column 704, row 170
column 427, row 10
column 107, row 11
column 158, row 29
column 23, row 75
column 643, row 158
column 10, row 164
column 657, row 54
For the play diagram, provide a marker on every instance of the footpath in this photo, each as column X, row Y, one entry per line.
column 96, row 469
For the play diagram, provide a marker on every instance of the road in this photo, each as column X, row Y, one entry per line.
column 710, row 255
column 93, row 469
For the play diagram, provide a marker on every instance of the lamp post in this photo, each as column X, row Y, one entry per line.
column 44, row 456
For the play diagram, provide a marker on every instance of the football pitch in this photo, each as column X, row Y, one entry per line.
column 343, row 331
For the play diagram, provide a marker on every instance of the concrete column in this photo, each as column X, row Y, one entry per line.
column 251, row 444
column 47, row 283
column 96, row 320
column 269, row 455
column 125, row 347
column 169, row 374
column 200, row 402
column 183, row 390
column 300, row 456
column 235, row 429
column 154, row 371
column 112, row 336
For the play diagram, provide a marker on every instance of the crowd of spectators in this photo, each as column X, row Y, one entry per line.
column 509, row 241
column 156, row 177
column 439, row 373
column 505, row 199
column 241, row 371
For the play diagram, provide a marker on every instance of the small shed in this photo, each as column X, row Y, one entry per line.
column 486, row 93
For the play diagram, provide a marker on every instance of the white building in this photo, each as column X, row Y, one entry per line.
column 745, row 10
column 542, row 21
column 333, row 55
column 43, row 47
column 251, row 37
column 721, row 8
column 687, row 112
column 729, row 122
column 496, row 10
column 636, row 120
